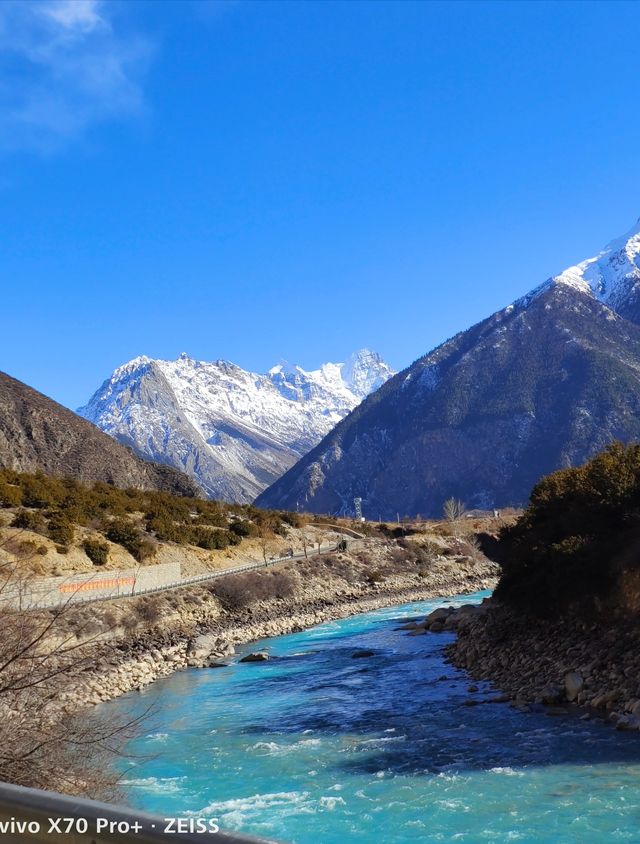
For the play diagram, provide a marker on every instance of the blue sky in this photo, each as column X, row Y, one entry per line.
column 265, row 180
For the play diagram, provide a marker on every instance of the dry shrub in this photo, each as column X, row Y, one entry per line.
column 148, row 609
column 238, row 591
column 21, row 548
column 408, row 556
column 344, row 569
column 467, row 547
column 40, row 651
column 129, row 621
column 470, row 547
column 281, row 584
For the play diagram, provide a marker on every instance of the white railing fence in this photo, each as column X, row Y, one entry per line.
column 50, row 592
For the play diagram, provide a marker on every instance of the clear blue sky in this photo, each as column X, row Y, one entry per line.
column 267, row 180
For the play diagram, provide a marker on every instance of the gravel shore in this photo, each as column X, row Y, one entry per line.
column 564, row 663
column 203, row 634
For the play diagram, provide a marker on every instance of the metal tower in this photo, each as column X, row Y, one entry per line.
column 357, row 502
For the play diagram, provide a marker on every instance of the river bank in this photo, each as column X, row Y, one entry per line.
column 318, row 745
column 594, row 665
column 195, row 630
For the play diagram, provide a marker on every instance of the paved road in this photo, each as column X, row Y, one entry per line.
column 327, row 548
column 33, row 600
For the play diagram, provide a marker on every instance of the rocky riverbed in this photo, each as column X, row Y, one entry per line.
column 562, row 664
column 203, row 634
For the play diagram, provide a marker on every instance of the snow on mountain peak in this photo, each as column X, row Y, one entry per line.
column 283, row 367
column 129, row 367
column 612, row 276
column 612, row 273
column 364, row 371
column 234, row 431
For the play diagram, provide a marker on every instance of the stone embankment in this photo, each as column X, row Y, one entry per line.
column 207, row 636
column 562, row 664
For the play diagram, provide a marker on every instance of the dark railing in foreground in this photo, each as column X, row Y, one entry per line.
column 30, row 816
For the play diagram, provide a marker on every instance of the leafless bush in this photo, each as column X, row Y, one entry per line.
column 148, row 609
column 40, row 654
column 282, row 584
column 470, row 547
column 233, row 592
column 408, row 556
column 464, row 547
column 401, row 560
column 238, row 591
column 345, row 570
column 129, row 621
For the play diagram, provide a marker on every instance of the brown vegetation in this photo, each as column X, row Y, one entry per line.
column 241, row 590
column 137, row 520
column 38, row 748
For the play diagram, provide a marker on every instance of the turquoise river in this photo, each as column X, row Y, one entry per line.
column 317, row 747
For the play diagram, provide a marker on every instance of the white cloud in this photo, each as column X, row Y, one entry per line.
column 82, row 14
column 64, row 65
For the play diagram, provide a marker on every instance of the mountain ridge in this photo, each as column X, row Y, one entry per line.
column 38, row 434
column 233, row 431
column 538, row 385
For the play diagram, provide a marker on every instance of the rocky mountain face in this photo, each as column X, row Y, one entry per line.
column 37, row 434
column 234, row 432
column 543, row 384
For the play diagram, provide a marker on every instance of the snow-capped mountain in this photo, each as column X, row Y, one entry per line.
column 613, row 276
column 233, row 431
column 544, row 383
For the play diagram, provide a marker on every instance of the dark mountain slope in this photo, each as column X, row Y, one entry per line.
column 545, row 383
column 37, row 434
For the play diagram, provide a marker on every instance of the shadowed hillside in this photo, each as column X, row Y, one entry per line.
column 39, row 435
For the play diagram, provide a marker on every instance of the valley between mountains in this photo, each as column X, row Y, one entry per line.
column 542, row 384
column 231, row 431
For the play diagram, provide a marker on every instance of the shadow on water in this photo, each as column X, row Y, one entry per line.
column 413, row 713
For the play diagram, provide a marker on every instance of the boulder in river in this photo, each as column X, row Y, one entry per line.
column 573, row 684
column 362, row 654
column 258, row 656
column 438, row 616
column 202, row 646
column 551, row 694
